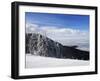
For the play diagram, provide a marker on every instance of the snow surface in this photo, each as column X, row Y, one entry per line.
column 33, row 61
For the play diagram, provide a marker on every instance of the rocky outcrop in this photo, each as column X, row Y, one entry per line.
column 38, row 44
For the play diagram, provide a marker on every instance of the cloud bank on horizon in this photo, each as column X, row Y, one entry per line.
column 55, row 28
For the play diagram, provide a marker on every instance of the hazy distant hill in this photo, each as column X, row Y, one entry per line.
column 40, row 45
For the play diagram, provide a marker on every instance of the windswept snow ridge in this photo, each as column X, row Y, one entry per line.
column 33, row 61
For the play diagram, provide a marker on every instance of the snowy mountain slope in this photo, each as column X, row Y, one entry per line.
column 33, row 61
column 41, row 45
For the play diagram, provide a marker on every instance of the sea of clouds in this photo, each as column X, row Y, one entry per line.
column 63, row 35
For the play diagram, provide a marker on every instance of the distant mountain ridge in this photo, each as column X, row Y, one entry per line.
column 38, row 44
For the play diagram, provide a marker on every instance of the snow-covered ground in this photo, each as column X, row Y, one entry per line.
column 39, row 61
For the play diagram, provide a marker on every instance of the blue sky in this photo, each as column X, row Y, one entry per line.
column 80, row 22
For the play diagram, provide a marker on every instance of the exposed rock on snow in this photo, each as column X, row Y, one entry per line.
column 39, row 45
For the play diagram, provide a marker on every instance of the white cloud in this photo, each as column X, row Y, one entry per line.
column 65, row 36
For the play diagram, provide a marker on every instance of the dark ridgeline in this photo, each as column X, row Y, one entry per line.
column 37, row 44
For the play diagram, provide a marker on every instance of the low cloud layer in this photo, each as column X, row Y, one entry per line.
column 65, row 36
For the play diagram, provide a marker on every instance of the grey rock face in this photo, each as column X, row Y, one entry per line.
column 37, row 44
